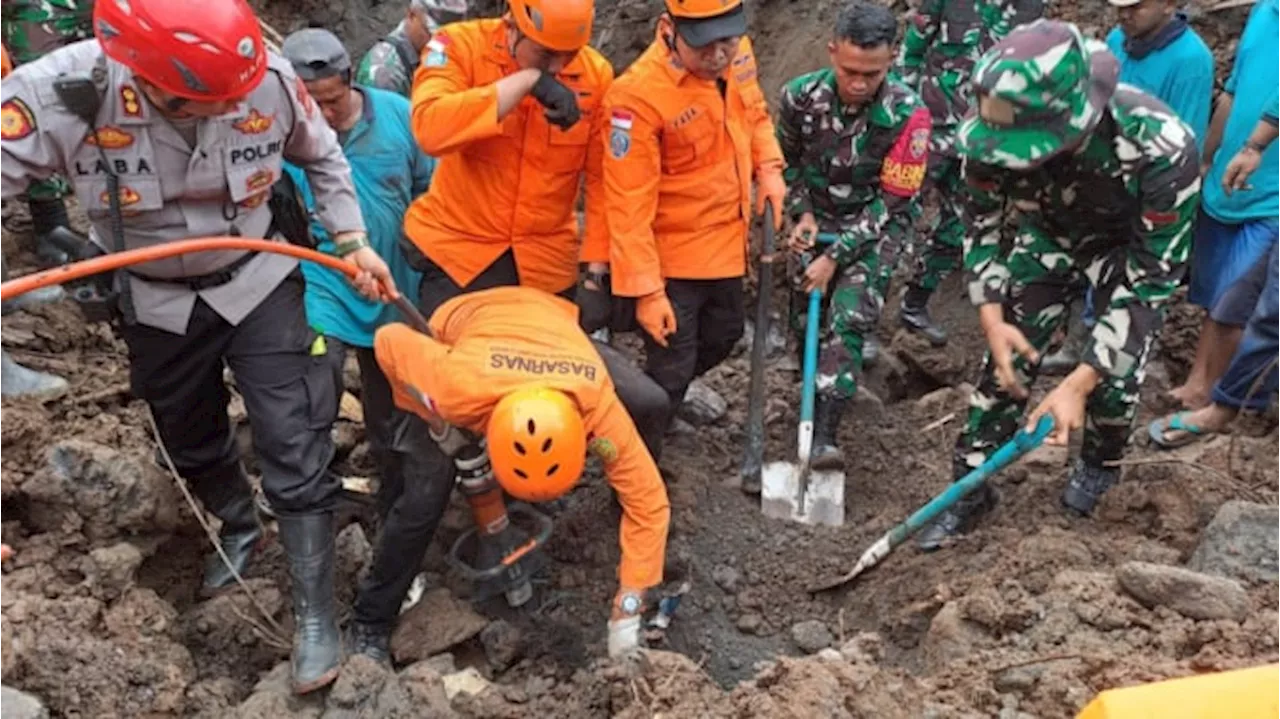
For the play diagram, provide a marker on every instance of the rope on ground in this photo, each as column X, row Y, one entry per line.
column 276, row 633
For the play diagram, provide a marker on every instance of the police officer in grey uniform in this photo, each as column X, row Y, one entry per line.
column 170, row 130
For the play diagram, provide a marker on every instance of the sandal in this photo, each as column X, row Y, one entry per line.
column 1159, row 429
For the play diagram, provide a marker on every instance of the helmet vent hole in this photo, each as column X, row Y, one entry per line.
column 521, row 473
column 533, row 428
column 520, row 449
column 546, row 445
column 554, row 468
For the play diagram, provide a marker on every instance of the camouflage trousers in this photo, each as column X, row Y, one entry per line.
column 937, row 254
column 851, row 309
column 32, row 28
column 1039, row 299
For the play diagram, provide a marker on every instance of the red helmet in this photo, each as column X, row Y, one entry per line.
column 210, row 53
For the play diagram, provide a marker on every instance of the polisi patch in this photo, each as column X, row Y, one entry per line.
column 128, row 196
column 259, row 180
column 130, row 101
column 109, row 137
column 255, row 123
column 620, row 122
column 253, row 153
column 16, row 120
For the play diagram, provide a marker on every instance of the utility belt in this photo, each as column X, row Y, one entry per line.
column 217, row 278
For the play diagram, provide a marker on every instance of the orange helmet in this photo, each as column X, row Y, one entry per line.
column 702, row 22
column 560, row 25
column 537, row 443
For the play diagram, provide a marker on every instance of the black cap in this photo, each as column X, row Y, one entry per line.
column 704, row 31
column 316, row 54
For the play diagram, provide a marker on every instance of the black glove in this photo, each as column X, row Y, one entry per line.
column 560, row 102
column 595, row 306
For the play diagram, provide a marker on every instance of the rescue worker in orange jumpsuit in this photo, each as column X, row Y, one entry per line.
column 511, row 365
column 688, row 131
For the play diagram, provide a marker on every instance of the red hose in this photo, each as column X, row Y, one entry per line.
column 116, row 260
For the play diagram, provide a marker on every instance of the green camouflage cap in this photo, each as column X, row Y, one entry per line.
column 1040, row 90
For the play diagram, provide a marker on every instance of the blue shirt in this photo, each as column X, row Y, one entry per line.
column 1180, row 74
column 389, row 171
column 1254, row 79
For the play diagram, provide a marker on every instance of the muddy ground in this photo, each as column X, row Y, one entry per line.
column 1029, row 616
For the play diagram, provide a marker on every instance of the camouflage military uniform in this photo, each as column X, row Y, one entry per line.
column 856, row 170
column 383, row 66
column 941, row 45
column 32, row 28
column 1104, row 181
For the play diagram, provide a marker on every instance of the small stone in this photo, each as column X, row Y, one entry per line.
column 1018, row 680
column 811, row 636
column 443, row 664
column 750, row 623
column 468, row 681
column 830, row 655
column 864, row 648
column 503, row 644
column 1240, row 542
column 725, row 577
column 735, row 662
column 21, row 705
column 702, row 405
column 1191, row 594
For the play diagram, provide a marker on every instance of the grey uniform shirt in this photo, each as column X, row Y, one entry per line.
column 169, row 189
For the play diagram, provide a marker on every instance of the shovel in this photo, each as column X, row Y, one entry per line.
column 795, row 490
column 1021, row 443
column 753, row 458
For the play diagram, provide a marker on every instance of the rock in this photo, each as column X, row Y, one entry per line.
column 346, row 435
column 366, row 688
column 830, row 655
column 273, row 697
column 103, row 492
column 503, row 644
column 16, row 704
column 468, row 681
column 750, row 623
column 1191, row 594
column 350, row 409
column 442, row 663
column 811, row 636
column 1240, row 542
column 1018, row 680
column 117, row 568
column 436, row 623
column 865, row 648
column 426, row 690
column 702, row 405
column 950, row 637
column 725, row 577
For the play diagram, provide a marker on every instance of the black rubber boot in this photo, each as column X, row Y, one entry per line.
column 46, row 216
column 227, row 494
column 915, row 315
column 827, row 413
column 317, row 645
column 960, row 518
column 372, row 641
column 1085, row 486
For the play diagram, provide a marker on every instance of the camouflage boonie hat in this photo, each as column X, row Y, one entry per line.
column 1040, row 90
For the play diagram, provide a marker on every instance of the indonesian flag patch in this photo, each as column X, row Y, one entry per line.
column 620, row 122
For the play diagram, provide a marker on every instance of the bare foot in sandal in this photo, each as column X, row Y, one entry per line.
column 1183, row 428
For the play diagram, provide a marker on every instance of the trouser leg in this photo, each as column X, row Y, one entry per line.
column 673, row 367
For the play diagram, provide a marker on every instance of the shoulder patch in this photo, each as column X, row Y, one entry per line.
column 604, row 448
column 436, row 55
column 16, row 120
column 620, row 122
column 255, row 123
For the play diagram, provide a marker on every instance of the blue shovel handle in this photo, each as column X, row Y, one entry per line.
column 1021, row 443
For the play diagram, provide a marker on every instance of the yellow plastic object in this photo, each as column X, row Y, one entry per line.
column 1241, row 694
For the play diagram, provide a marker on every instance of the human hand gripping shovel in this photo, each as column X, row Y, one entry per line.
column 795, row 490
column 1021, row 443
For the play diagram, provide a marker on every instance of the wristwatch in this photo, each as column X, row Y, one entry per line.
column 630, row 603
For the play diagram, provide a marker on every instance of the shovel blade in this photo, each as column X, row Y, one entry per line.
column 823, row 501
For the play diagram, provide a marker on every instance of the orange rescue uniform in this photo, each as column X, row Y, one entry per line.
column 679, row 159
column 504, row 184
column 491, row 342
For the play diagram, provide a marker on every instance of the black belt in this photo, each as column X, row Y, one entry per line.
column 213, row 279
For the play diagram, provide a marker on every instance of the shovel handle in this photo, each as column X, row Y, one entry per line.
column 753, row 458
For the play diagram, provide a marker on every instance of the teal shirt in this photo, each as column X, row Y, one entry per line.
column 389, row 171
column 1253, row 84
column 1179, row 74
